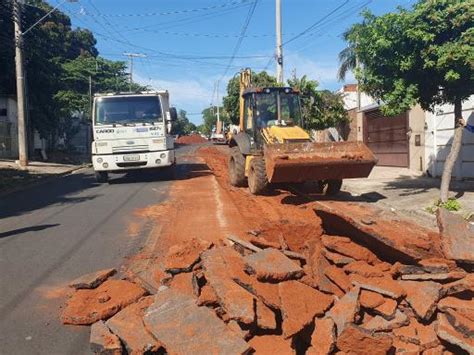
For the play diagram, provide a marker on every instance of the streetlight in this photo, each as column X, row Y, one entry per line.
column 20, row 78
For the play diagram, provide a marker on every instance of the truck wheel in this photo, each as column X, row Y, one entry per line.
column 257, row 176
column 101, row 176
column 236, row 168
column 333, row 187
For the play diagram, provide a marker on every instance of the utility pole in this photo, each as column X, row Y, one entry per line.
column 20, row 86
column 130, row 66
column 217, row 94
column 279, row 47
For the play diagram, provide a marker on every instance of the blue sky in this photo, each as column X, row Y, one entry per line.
column 189, row 44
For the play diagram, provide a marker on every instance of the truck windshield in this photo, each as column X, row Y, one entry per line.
column 267, row 108
column 128, row 110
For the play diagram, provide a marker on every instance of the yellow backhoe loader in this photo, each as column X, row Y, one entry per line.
column 271, row 146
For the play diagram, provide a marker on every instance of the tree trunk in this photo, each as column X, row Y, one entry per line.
column 453, row 154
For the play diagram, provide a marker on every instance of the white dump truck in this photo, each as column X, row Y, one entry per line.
column 132, row 131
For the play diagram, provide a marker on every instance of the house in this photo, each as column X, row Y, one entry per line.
column 416, row 139
column 8, row 127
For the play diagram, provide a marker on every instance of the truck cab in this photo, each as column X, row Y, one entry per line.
column 132, row 131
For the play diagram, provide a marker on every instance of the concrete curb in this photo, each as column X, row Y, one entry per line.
column 40, row 181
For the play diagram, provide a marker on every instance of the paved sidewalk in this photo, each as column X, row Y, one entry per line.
column 12, row 178
column 409, row 192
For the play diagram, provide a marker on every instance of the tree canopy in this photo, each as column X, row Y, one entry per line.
column 424, row 55
column 321, row 108
column 231, row 101
column 182, row 125
column 59, row 62
column 209, row 116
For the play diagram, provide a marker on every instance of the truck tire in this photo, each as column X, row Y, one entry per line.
column 101, row 176
column 236, row 168
column 333, row 187
column 257, row 176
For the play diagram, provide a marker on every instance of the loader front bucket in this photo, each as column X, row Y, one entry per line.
column 310, row 161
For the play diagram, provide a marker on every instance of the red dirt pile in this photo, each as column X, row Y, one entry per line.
column 191, row 139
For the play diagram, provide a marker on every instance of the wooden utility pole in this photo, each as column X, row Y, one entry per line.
column 20, row 87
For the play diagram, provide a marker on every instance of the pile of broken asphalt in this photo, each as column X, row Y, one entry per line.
column 357, row 287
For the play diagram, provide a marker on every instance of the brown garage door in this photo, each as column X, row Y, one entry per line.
column 387, row 138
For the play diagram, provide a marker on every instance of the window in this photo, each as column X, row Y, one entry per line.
column 128, row 110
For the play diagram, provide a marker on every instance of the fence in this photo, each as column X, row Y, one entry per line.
column 8, row 140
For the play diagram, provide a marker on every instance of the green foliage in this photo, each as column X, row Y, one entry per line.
column 452, row 204
column 423, row 56
column 209, row 116
column 182, row 125
column 59, row 62
column 321, row 108
column 231, row 101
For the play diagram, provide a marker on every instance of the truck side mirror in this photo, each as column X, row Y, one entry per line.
column 173, row 114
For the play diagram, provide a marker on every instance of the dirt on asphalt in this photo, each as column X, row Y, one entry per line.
column 286, row 274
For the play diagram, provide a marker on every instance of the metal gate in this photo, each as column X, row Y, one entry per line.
column 387, row 138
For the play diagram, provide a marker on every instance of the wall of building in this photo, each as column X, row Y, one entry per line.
column 8, row 128
column 416, row 127
column 438, row 138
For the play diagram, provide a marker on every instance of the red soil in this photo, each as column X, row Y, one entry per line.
column 192, row 139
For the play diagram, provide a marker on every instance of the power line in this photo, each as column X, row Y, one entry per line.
column 177, row 12
column 241, row 38
column 316, row 23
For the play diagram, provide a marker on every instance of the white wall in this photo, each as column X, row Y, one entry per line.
column 438, row 136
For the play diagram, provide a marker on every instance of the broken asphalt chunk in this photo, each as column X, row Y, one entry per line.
column 422, row 297
column 92, row 280
column 220, row 265
column 103, row 341
column 89, row 306
column 344, row 310
column 457, row 236
column 448, row 333
column 357, row 341
column 345, row 246
column 323, row 338
column 183, row 256
column 300, row 304
column 272, row 265
column 128, row 326
column 184, row 328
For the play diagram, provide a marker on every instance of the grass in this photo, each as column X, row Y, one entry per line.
column 451, row 205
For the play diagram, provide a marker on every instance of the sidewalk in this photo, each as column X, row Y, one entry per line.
column 12, row 178
column 409, row 192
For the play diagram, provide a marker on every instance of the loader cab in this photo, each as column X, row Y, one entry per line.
column 269, row 107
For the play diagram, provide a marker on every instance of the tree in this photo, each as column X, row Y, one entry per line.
column 347, row 58
column 182, row 125
column 231, row 101
column 59, row 62
column 321, row 108
column 209, row 116
column 424, row 55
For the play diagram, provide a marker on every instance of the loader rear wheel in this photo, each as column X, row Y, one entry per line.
column 236, row 168
column 257, row 176
column 333, row 187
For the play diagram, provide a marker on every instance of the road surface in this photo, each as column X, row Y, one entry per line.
column 55, row 232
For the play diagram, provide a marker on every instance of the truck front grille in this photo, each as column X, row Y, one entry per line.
column 130, row 148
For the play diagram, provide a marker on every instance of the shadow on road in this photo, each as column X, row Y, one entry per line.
column 27, row 229
column 57, row 191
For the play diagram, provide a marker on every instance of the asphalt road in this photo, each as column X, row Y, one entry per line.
column 55, row 232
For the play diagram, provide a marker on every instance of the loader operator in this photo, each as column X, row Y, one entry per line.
column 264, row 115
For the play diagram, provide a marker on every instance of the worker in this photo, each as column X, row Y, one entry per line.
column 466, row 125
